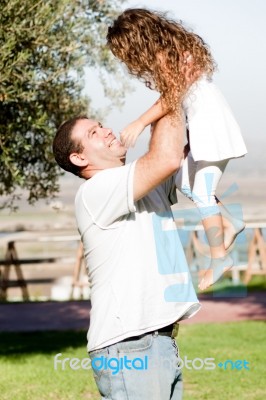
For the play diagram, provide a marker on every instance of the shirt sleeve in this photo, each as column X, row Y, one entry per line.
column 170, row 189
column 108, row 195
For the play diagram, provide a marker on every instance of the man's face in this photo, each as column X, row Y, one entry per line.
column 101, row 149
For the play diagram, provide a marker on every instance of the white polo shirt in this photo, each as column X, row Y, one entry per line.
column 137, row 269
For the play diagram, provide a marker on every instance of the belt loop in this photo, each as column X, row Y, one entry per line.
column 155, row 333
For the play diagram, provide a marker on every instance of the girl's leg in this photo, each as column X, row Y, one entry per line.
column 185, row 178
column 206, row 180
column 232, row 225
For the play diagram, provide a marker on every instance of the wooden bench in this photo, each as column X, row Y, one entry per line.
column 255, row 265
column 256, row 252
column 12, row 260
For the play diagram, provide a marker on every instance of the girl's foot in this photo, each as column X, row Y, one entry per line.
column 231, row 232
column 217, row 268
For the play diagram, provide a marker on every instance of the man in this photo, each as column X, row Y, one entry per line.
column 139, row 279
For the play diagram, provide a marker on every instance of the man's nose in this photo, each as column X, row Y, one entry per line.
column 107, row 132
column 104, row 132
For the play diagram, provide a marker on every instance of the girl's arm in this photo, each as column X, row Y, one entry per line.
column 132, row 131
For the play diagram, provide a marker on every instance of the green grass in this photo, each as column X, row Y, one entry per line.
column 258, row 282
column 226, row 288
column 27, row 363
column 27, row 367
column 231, row 341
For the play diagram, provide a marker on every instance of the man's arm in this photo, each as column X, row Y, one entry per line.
column 162, row 159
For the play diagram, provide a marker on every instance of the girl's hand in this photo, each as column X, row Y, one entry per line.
column 131, row 132
column 190, row 74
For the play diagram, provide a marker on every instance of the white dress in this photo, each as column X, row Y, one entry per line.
column 214, row 134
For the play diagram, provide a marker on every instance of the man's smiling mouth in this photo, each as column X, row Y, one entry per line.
column 113, row 141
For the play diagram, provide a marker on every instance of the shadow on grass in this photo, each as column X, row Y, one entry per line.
column 16, row 344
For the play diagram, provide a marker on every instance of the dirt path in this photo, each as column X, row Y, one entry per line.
column 28, row 317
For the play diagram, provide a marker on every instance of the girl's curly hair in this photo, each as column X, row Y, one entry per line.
column 155, row 49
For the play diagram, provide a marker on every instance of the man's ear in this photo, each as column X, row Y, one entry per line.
column 78, row 160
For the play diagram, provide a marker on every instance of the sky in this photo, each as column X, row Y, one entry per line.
column 235, row 30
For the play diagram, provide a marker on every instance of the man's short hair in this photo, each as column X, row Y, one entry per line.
column 64, row 145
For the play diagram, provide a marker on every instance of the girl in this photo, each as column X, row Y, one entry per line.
column 178, row 64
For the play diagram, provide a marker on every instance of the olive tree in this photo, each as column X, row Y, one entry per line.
column 45, row 46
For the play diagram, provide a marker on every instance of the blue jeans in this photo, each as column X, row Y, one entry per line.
column 141, row 369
